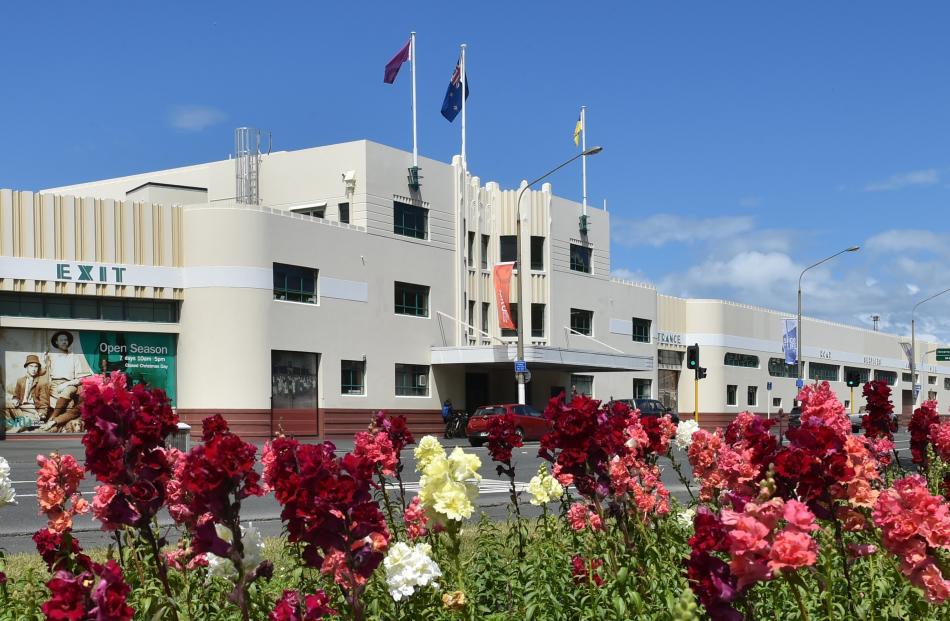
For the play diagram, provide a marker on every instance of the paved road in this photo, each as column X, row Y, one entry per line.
column 19, row 522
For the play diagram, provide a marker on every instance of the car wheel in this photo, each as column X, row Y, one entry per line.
column 475, row 443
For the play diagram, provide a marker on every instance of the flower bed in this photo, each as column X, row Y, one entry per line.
column 825, row 526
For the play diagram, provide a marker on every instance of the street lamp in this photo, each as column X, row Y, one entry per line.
column 913, row 342
column 521, row 270
column 801, row 349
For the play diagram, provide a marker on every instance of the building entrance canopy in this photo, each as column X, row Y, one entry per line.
column 547, row 358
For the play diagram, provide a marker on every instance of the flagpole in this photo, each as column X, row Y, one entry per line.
column 412, row 57
column 584, row 159
column 464, row 160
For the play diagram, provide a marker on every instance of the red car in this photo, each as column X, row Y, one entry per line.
column 530, row 424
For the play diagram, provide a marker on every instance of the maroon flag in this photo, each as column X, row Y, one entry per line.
column 392, row 67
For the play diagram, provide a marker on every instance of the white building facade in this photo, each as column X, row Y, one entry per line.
column 343, row 284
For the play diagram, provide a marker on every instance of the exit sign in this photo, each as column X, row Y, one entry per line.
column 943, row 354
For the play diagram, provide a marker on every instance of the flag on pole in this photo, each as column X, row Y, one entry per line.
column 452, row 103
column 577, row 132
column 392, row 67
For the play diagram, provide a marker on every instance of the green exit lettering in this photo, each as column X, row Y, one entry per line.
column 64, row 272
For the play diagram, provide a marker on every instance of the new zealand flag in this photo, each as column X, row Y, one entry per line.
column 452, row 104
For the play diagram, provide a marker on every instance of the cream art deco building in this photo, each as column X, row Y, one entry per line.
column 303, row 290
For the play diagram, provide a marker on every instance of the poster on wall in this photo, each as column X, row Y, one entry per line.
column 43, row 372
column 293, row 380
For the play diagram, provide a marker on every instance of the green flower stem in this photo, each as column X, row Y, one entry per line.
column 393, row 527
column 792, row 580
column 682, row 478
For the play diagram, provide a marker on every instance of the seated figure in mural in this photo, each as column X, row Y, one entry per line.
column 28, row 404
column 66, row 371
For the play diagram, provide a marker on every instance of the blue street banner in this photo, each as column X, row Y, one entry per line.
column 790, row 341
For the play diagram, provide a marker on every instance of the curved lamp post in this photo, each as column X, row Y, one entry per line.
column 521, row 270
column 913, row 343
column 801, row 349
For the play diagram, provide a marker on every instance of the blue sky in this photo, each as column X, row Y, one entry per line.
column 743, row 140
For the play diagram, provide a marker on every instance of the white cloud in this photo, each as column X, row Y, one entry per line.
column 912, row 289
column 194, row 118
column 662, row 229
column 928, row 176
column 908, row 240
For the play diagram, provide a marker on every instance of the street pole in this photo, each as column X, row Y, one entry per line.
column 913, row 345
column 521, row 270
column 696, row 401
column 801, row 347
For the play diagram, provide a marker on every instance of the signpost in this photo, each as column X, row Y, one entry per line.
column 521, row 366
column 799, row 383
column 768, row 404
column 943, row 354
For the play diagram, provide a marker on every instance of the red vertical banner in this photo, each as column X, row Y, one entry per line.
column 502, row 278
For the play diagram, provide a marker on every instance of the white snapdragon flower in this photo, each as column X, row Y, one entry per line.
column 684, row 433
column 7, row 493
column 253, row 551
column 409, row 568
column 685, row 517
column 544, row 488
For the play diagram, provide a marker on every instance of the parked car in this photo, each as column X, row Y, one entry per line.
column 529, row 423
column 650, row 407
column 857, row 417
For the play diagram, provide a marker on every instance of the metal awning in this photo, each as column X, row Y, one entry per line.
column 537, row 357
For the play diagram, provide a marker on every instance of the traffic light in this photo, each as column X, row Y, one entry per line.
column 853, row 379
column 692, row 357
column 701, row 373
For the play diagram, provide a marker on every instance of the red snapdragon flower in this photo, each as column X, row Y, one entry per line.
column 736, row 459
column 57, row 490
column 922, row 420
column 396, row 428
column 97, row 594
column 878, row 422
column 502, row 438
column 376, row 451
column 291, row 607
column 587, row 571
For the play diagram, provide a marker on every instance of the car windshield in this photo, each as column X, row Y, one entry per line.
column 489, row 411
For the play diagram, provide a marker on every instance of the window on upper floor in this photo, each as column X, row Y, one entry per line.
column 507, row 248
column 411, row 299
column 537, row 321
column 582, row 321
column 16, row 304
column 513, row 306
column 905, row 377
column 864, row 375
column 823, row 372
column 580, row 258
column 471, row 249
column 741, row 360
column 314, row 211
column 885, row 376
column 752, row 396
column 946, row 383
column 486, row 313
column 410, row 220
column 471, row 318
column 731, row 394
column 778, row 368
column 484, row 254
column 293, row 283
column 537, row 253
column 931, row 379
column 641, row 330
column 353, row 377
column 344, row 213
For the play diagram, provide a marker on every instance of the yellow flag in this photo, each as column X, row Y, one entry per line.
column 577, row 132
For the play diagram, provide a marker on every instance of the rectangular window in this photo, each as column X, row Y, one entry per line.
column 412, row 380
column 112, row 310
column 344, row 212
column 886, row 376
column 58, row 307
column 314, row 211
column 580, row 258
column 471, row 249
column 752, row 396
column 537, row 321
column 293, row 283
column 582, row 321
column 668, row 357
column 641, row 330
column 514, row 319
column 410, row 220
column 486, row 312
column 352, row 377
column 582, row 385
column 946, row 383
column 537, row 253
column 471, row 318
column 931, row 395
column 140, row 311
column 905, row 377
column 84, row 307
column 507, row 248
column 778, row 368
column 642, row 388
column 932, row 380
column 411, row 299
column 293, row 377
column 823, row 372
column 731, row 398
column 863, row 374
column 741, row 360
column 484, row 254
column 776, row 402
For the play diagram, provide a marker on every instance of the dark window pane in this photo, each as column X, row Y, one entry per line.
column 85, row 308
column 581, row 321
column 351, row 377
column 778, row 368
column 508, row 248
column 140, row 311
column 295, row 284
column 641, row 330
column 412, row 380
column 57, row 307
column 580, row 258
column 410, row 220
column 537, row 253
column 411, row 299
column 514, row 319
column 112, row 310
column 537, row 320
column 741, row 360
column 484, row 254
column 344, row 213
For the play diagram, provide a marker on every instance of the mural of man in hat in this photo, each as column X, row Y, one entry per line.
column 28, row 404
column 65, row 370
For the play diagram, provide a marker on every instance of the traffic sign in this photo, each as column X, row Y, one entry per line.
column 799, row 383
column 768, row 386
column 943, row 354
column 917, row 388
column 521, row 366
